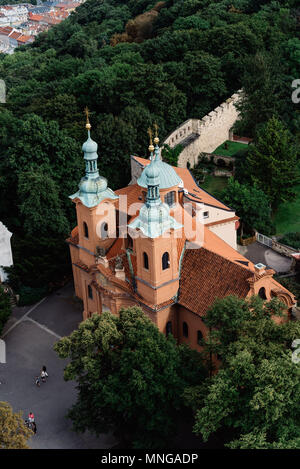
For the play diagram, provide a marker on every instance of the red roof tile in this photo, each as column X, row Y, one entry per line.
column 206, row 276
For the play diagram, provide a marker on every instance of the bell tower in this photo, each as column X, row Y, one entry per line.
column 94, row 203
column 155, row 235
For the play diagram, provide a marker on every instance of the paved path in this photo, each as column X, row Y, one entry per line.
column 30, row 335
column 257, row 252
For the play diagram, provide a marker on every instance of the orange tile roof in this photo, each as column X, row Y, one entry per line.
column 196, row 193
column 33, row 17
column 206, row 276
column 24, row 38
column 15, row 35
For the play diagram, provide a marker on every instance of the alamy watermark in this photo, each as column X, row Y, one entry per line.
column 2, row 351
column 2, row 92
column 296, row 93
column 296, row 353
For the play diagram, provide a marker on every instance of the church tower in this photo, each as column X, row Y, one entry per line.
column 154, row 232
column 94, row 204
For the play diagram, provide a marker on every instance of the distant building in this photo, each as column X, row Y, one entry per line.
column 6, row 259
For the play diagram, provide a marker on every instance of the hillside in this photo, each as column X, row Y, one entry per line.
column 132, row 63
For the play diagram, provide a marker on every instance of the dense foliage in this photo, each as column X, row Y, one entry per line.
column 252, row 206
column 255, row 396
column 132, row 63
column 13, row 432
column 130, row 377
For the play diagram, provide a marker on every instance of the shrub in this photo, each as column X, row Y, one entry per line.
column 291, row 239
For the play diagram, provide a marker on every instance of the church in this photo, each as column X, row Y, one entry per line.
column 162, row 243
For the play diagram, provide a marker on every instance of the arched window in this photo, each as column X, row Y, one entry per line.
column 170, row 198
column 169, row 328
column 165, row 261
column 104, row 230
column 146, row 260
column 85, row 230
column 262, row 293
column 90, row 292
column 185, row 329
column 199, row 337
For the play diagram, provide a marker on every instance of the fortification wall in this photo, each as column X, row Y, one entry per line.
column 206, row 134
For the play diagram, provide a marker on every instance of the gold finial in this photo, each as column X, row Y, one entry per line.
column 87, row 113
column 156, row 139
column 151, row 147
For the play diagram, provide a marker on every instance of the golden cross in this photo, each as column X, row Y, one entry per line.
column 156, row 129
column 87, row 113
column 150, row 135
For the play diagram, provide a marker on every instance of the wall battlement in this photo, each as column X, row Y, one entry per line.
column 208, row 133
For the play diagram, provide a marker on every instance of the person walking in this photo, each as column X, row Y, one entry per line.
column 30, row 417
column 44, row 374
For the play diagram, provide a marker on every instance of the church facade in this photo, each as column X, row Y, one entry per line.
column 161, row 243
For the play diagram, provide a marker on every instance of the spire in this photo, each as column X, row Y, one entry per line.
column 93, row 187
column 90, row 152
column 156, row 141
column 154, row 217
column 151, row 147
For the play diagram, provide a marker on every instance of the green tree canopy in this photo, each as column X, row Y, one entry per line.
column 272, row 162
column 251, row 205
column 13, row 432
column 130, row 377
column 254, row 398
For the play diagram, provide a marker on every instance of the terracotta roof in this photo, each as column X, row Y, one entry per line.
column 133, row 193
column 196, row 193
column 213, row 243
column 206, row 276
column 15, row 35
column 24, row 39
column 34, row 17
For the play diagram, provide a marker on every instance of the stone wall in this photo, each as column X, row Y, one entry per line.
column 206, row 134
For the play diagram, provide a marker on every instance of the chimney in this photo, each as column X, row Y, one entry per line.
column 260, row 268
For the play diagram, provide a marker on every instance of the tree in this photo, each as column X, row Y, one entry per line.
column 40, row 204
column 251, row 205
column 254, row 398
column 13, row 432
column 272, row 162
column 130, row 377
column 5, row 308
column 171, row 155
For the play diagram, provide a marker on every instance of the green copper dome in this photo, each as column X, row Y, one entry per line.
column 92, row 187
column 154, row 217
column 167, row 175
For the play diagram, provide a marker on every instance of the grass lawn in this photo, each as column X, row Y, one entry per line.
column 287, row 218
column 233, row 147
column 214, row 184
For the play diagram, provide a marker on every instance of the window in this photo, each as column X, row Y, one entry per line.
column 165, row 261
column 90, row 292
column 199, row 337
column 168, row 328
column 104, row 230
column 262, row 293
column 85, row 230
column 185, row 329
column 146, row 261
column 170, row 198
column 205, row 214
